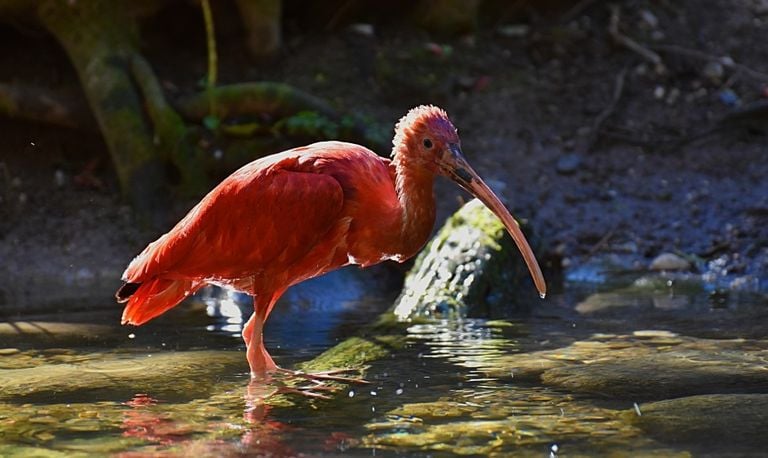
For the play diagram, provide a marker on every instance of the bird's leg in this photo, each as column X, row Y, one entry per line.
column 248, row 329
column 259, row 360
column 264, row 371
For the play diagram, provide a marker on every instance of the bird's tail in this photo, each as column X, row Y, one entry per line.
column 149, row 299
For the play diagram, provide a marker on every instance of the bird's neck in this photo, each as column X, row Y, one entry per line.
column 414, row 186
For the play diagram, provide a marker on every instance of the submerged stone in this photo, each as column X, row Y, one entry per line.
column 731, row 420
column 663, row 375
column 647, row 365
column 523, row 421
column 15, row 333
column 163, row 372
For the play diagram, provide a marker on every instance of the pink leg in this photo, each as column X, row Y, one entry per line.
column 258, row 358
column 263, row 367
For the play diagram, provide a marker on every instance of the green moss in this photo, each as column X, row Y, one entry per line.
column 470, row 267
column 354, row 353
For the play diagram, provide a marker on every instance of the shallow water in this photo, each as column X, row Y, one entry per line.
column 583, row 375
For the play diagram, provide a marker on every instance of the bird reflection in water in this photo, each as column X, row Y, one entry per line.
column 261, row 435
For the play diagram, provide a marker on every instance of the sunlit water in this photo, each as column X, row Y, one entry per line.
column 583, row 375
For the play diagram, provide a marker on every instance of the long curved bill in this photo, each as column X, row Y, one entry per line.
column 455, row 166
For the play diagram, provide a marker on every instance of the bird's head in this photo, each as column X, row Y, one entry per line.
column 426, row 138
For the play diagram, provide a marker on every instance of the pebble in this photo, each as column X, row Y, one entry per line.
column 363, row 29
column 649, row 18
column 669, row 261
column 728, row 97
column 568, row 164
column 745, row 283
column 671, row 99
column 59, row 178
column 713, row 71
column 513, row 30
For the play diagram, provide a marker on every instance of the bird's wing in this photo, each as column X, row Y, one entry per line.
column 268, row 211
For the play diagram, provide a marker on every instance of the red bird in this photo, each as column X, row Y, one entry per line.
column 301, row 213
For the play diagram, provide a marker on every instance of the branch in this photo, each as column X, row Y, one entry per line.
column 271, row 100
column 277, row 100
column 39, row 104
column 700, row 55
column 629, row 43
column 576, row 10
column 618, row 89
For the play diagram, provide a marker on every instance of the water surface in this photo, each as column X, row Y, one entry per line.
column 637, row 370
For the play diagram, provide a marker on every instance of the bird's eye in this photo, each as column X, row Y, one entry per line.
column 427, row 143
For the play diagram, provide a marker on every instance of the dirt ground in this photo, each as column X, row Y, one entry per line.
column 615, row 159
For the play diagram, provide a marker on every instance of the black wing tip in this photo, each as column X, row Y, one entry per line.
column 126, row 291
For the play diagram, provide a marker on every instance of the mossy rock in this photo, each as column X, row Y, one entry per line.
column 731, row 420
column 471, row 268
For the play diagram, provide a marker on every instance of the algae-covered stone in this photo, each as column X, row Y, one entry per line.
column 524, row 421
column 646, row 365
column 353, row 353
column 726, row 419
column 165, row 372
column 661, row 375
column 40, row 332
column 471, row 267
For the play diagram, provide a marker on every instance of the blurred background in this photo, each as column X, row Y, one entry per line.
column 630, row 134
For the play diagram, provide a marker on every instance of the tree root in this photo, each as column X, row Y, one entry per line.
column 39, row 104
column 157, row 147
column 257, row 112
column 100, row 39
column 270, row 102
column 169, row 129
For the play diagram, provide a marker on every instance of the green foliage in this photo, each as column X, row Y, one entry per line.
column 308, row 124
column 375, row 132
column 212, row 122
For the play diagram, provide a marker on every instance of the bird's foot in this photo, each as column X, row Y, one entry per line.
column 335, row 375
column 316, row 390
column 259, row 390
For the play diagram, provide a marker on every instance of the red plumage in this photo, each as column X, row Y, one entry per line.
column 301, row 213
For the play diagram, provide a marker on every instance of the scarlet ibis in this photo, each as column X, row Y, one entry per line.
column 291, row 216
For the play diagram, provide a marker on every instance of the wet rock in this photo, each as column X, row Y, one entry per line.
column 107, row 428
column 176, row 372
column 660, row 375
column 515, row 422
column 471, row 267
column 669, row 261
column 647, row 365
column 568, row 164
column 354, row 352
column 661, row 291
column 14, row 333
column 724, row 419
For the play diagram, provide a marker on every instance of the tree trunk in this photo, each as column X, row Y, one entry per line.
column 101, row 38
column 262, row 19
